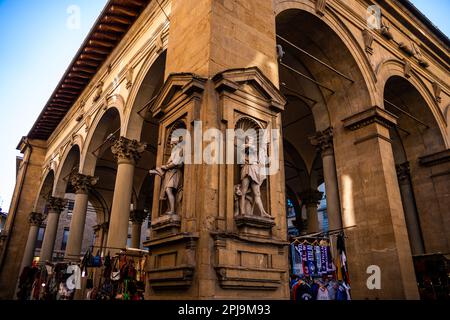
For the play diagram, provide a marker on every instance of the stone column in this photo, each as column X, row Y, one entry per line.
column 311, row 199
column 409, row 206
column 137, row 217
column 127, row 152
column 372, row 205
column 81, row 183
column 35, row 219
column 324, row 142
column 55, row 206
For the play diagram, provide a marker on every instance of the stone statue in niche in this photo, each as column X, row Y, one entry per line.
column 237, row 200
column 171, row 175
column 251, row 178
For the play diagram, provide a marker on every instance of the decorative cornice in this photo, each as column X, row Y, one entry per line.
column 82, row 183
column 323, row 141
column 56, row 205
column 232, row 79
column 36, row 218
column 126, row 150
column 370, row 116
column 176, row 84
column 435, row 158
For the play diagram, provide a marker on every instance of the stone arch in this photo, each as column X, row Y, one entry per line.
column 417, row 136
column 69, row 163
column 334, row 23
column 45, row 190
column 146, row 86
column 395, row 68
column 100, row 129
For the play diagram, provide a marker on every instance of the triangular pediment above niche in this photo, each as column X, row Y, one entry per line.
column 253, row 82
column 177, row 86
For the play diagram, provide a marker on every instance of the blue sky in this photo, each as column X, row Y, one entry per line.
column 37, row 47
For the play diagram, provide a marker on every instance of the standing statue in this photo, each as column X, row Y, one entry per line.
column 171, row 175
column 252, row 177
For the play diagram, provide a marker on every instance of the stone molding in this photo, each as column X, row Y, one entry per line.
column 82, row 183
column 179, row 273
column 367, row 117
column 435, row 158
column 320, row 7
column 231, row 80
column 177, row 87
column 127, row 151
column 254, row 221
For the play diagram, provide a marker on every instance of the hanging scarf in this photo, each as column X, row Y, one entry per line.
column 302, row 248
column 318, row 260
column 297, row 267
column 324, row 259
column 310, row 260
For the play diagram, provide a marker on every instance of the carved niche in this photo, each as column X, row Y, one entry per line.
column 250, row 186
column 172, row 262
column 171, row 177
column 249, row 253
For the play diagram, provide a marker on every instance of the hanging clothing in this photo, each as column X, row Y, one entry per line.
column 322, row 293
column 303, row 292
column 297, row 266
column 318, row 260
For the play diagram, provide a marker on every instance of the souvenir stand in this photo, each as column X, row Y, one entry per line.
column 118, row 277
column 318, row 268
column 93, row 277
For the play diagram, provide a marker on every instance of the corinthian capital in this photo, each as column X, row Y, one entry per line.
column 35, row 218
column 126, row 150
column 82, row 183
column 56, row 205
column 138, row 216
column 403, row 171
column 311, row 197
column 323, row 141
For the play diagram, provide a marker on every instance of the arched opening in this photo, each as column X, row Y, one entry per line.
column 323, row 83
column 143, row 127
column 100, row 163
column 417, row 135
column 41, row 207
column 64, row 189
